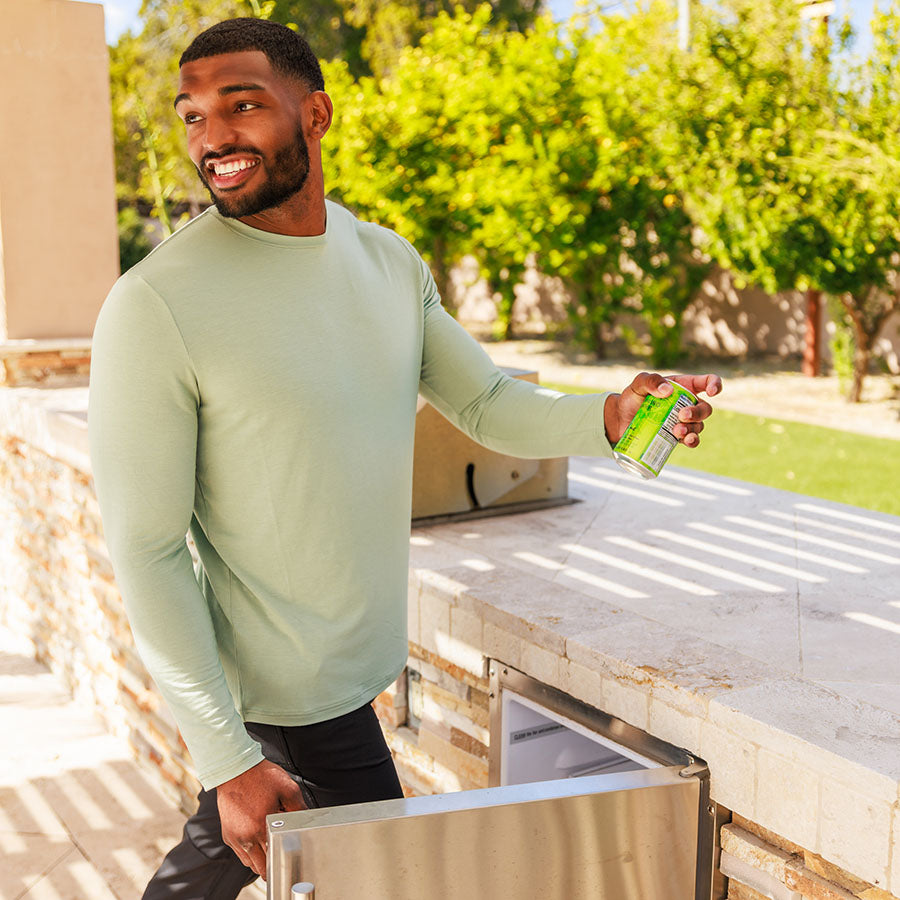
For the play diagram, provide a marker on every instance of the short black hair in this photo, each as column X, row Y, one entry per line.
column 287, row 51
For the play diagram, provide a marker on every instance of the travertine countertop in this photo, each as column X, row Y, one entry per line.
column 757, row 628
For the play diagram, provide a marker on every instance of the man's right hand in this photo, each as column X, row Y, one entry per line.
column 244, row 803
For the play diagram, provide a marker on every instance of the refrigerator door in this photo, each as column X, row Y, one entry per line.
column 623, row 836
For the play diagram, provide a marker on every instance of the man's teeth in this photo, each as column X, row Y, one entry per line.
column 229, row 168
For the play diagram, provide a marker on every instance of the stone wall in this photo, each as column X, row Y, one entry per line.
column 440, row 737
column 722, row 321
column 58, row 590
column 44, row 363
column 761, row 864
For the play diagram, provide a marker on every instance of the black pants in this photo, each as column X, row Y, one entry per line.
column 343, row 760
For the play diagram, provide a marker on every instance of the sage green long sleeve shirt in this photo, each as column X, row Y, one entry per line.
column 259, row 390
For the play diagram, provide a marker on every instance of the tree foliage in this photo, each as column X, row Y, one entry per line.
column 594, row 148
column 151, row 163
column 780, row 158
column 507, row 145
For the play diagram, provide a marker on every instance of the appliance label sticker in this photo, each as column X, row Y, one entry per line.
column 527, row 734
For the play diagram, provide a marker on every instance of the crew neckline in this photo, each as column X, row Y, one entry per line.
column 297, row 241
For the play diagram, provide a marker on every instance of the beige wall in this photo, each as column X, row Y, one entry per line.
column 722, row 320
column 57, row 180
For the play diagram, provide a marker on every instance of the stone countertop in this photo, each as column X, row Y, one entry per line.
column 52, row 419
column 756, row 628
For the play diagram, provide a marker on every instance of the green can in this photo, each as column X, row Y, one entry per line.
column 648, row 440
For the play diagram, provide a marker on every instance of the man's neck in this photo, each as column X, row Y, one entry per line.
column 302, row 215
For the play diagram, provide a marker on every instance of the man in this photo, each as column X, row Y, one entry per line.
column 254, row 381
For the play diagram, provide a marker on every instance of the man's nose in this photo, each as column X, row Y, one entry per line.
column 218, row 134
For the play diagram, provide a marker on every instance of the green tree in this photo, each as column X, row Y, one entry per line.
column 773, row 162
column 328, row 26
column 619, row 233
column 500, row 79
column 391, row 27
column 134, row 244
column 860, row 162
column 397, row 149
column 506, row 145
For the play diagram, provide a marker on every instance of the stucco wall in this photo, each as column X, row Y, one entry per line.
column 722, row 320
column 58, row 237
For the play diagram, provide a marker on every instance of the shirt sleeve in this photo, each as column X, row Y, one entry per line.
column 503, row 413
column 142, row 422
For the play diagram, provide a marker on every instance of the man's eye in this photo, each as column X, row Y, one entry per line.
column 190, row 118
column 245, row 105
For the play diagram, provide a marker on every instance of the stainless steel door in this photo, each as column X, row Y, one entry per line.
column 624, row 836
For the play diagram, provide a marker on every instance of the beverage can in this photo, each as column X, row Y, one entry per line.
column 648, row 441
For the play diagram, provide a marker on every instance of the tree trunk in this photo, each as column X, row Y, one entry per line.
column 812, row 351
column 599, row 343
column 506, row 300
column 861, row 355
column 439, row 270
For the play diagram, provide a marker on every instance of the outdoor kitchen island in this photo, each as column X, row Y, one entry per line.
column 755, row 628
column 759, row 630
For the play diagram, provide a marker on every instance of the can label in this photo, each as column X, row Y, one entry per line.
column 648, row 441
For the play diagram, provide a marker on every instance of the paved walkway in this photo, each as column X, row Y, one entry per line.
column 79, row 820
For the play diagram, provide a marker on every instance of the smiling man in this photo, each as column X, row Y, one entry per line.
column 254, row 382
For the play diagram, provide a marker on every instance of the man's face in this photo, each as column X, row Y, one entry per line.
column 244, row 130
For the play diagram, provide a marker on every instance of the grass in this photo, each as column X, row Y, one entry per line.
column 807, row 459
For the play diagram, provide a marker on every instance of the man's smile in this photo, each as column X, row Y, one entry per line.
column 230, row 172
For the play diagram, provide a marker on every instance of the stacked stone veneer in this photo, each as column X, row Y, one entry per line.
column 58, row 590
column 435, row 718
column 761, row 864
column 45, row 363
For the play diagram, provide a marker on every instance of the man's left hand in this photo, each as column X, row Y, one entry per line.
column 621, row 408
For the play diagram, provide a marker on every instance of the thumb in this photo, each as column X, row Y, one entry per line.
column 650, row 383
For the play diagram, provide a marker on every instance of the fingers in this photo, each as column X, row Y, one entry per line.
column 696, row 413
column 690, row 419
column 251, row 851
column 689, row 435
column 711, row 385
column 245, row 801
column 651, row 383
column 255, row 857
column 690, row 423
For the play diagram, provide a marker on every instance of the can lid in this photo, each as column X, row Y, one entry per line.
column 680, row 388
column 303, row 889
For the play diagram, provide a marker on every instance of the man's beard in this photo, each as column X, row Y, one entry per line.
column 285, row 176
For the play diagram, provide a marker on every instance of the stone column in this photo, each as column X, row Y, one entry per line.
column 58, row 238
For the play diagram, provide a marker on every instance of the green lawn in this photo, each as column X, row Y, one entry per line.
column 819, row 462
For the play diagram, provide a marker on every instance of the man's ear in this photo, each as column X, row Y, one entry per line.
column 321, row 112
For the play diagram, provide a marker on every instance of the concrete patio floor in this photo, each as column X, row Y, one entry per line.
column 79, row 819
